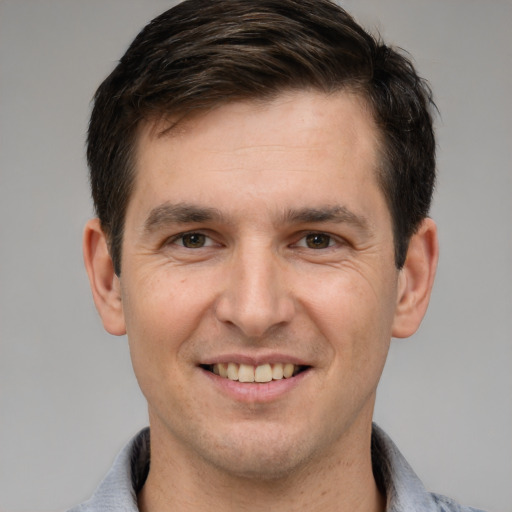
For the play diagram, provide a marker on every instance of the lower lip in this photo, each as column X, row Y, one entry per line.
column 255, row 392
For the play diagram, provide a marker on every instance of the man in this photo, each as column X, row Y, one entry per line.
column 262, row 172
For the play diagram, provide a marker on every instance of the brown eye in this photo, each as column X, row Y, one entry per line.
column 193, row 240
column 318, row 241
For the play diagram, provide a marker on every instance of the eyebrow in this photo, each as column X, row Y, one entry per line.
column 337, row 214
column 182, row 213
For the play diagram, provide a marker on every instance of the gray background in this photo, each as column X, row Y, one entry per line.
column 68, row 400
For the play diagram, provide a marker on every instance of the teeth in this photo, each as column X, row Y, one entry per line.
column 288, row 370
column 261, row 373
column 223, row 369
column 232, row 371
column 245, row 373
column 277, row 372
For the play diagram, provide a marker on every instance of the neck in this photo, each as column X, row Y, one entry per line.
column 340, row 481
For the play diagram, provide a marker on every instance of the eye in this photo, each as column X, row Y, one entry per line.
column 192, row 240
column 316, row 241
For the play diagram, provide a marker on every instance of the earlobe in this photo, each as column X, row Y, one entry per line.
column 105, row 285
column 416, row 280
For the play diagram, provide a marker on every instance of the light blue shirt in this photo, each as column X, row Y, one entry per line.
column 403, row 489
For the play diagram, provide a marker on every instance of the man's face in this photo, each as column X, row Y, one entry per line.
column 257, row 240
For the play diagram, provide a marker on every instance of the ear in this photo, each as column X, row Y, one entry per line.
column 105, row 285
column 416, row 279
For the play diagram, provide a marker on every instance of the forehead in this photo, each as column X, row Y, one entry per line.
column 297, row 138
column 298, row 119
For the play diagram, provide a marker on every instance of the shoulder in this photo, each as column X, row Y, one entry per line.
column 118, row 490
column 397, row 480
column 445, row 504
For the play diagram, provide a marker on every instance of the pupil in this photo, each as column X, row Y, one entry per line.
column 317, row 241
column 193, row 240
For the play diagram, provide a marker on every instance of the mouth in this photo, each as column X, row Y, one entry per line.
column 261, row 373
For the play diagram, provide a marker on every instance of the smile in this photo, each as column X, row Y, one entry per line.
column 250, row 373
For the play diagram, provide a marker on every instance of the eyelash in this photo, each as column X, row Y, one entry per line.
column 331, row 240
column 181, row 236
column 310, row 237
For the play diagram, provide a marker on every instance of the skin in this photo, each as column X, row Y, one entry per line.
column 287, row 257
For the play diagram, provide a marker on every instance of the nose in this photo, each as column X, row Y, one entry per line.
column 256, row 298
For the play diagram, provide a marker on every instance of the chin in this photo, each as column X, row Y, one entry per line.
column 259, row 457
column 260, row 466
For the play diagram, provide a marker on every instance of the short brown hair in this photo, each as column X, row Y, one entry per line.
column 203, row 53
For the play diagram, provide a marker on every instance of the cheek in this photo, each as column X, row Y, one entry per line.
column 355, row 316
column 165, row 302
column 161, row 314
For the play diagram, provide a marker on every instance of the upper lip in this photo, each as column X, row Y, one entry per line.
column 255, row 360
